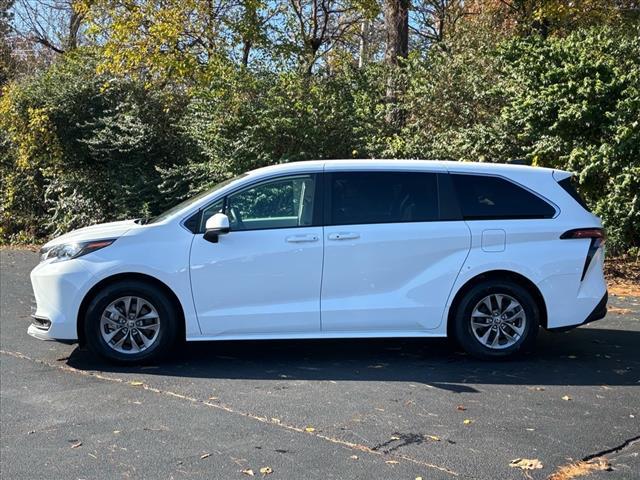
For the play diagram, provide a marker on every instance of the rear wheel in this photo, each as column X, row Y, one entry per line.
column 131, row 322
column 496, row 319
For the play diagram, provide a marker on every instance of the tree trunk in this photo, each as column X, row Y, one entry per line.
column 396, row 19
column 246, row 51
column 363, row 57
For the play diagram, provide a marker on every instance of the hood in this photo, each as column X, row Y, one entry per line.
column 95, row 232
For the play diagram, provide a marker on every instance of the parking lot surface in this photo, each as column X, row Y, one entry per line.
column 344, row 409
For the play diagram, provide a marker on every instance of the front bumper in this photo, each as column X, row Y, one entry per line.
column 58, row 288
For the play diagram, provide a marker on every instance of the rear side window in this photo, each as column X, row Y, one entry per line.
column 568, row 184
column 382, row 197
column 486, row 197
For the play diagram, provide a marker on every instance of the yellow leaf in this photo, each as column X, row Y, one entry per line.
column 266, row 470
column 248, row 471
column 418, row 478
column 435, row 438
column 136, row 383
column 526, row 463
column 467, row 421
column 567, row 398
column 391, row 462
column 393, row 437
column 309, row 429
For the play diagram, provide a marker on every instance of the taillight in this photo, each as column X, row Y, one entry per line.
column 584, row 233
column 597, row 237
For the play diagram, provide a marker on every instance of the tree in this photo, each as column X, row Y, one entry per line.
column 396, row 16
column 55, row 25
column 7, row 62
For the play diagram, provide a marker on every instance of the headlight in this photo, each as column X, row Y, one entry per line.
column 67, row 251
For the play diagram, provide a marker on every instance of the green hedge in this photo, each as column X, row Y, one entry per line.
column 78, row 148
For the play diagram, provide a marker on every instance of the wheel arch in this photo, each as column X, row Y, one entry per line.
column 498, row 275
column 119, row 277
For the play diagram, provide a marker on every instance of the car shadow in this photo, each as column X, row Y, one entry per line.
column 584, row 356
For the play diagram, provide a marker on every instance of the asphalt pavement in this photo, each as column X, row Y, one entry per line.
column 343, row 409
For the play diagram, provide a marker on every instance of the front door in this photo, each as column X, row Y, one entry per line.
column 263, row 277
column 390, row 257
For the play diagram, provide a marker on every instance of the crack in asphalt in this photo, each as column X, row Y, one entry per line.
column 622, row 446
column 273, row 422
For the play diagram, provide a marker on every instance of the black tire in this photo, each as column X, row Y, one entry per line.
column 168, row 321
column 462, row 325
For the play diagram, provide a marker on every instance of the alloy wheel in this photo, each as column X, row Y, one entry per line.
column 498, row 321
column 130, row 325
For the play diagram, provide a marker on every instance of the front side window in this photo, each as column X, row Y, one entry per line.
column 282, row 203
column 382, row 197
column 488, row 198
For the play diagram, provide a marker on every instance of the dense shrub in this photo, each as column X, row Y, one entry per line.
column 77, row 148
column 81, row 148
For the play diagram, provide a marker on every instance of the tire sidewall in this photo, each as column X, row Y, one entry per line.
column 153, row 295
column 464, row 334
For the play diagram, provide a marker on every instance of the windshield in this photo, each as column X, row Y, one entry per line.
column 184, row 204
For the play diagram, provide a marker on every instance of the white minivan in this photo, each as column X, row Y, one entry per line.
column 483, row 253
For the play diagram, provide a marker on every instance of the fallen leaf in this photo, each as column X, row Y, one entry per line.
column 394, row 437
column 309, row 429
column 213, row 398
column 76, row 445
column 266, row 470
column 275, row 420
column 116, row 432
column 136, row 383
column 619, row 311
column 435, row 438
column 580, row 469
column 353, row 457
column 461, row 408
column 418, row 478
column 248, row 471
column 526, row 463
column 391, row 462
column 467, row 421
column 205, row 455
column 567, row 398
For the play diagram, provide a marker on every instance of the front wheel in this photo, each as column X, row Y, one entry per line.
column 496, row 319
column 130, row 322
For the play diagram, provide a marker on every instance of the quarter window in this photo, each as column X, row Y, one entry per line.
column 382, row 197
column 486, row 197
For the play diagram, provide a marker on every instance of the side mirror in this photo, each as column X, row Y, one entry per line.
column 216, row 225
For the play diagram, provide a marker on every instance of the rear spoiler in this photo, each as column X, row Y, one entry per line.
column 561, row 175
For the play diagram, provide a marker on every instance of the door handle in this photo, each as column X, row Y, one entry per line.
column 344, row 236
column 302, row 238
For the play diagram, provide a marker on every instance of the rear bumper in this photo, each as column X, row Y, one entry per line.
column 598, row 313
